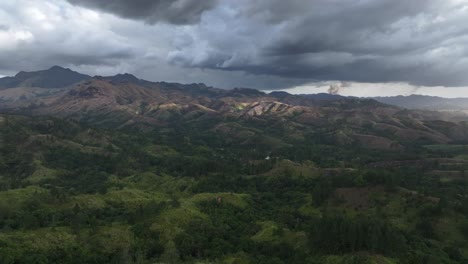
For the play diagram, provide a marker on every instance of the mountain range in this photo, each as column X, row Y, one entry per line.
column 125, row 102
column 116, row 169
column 426, row 102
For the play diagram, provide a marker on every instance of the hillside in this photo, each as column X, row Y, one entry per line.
column 121, row 170
column 74, row 193
column 126, row 102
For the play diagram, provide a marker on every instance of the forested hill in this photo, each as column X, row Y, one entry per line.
column 179, row 194
column 122, row 170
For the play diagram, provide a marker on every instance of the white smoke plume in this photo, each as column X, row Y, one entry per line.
column 336, row 88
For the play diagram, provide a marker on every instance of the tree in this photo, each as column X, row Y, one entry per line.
column 171, row 254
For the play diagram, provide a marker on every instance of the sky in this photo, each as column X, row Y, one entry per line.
column 363, row 47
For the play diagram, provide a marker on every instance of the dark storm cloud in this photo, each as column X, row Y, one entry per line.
column 177, row 12
column 228, row 43
column 418, row 41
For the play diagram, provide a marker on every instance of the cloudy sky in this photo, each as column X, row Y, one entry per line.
column 367, row 47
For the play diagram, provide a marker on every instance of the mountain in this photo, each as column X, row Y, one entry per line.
column 126, row 102
column 426, row 102
column 117, row 169
column 55, row 77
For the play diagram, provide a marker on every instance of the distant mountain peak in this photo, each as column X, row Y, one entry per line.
column 120, row 78
column 19, row 74
column 126, row 76
column 56, row 67
column 54, row 77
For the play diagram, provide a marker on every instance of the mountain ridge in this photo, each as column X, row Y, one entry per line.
column 126, row 105
column 54, row 77
column 426, row 102
column 125, row 102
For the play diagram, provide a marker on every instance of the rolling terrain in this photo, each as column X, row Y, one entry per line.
column 124, row 101
column 121, row 170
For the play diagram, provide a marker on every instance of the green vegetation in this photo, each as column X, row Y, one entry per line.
column 183, row 193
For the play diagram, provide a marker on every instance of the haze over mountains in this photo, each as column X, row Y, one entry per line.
column 426, row 102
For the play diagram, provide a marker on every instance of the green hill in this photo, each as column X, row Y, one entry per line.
column 71, row 193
